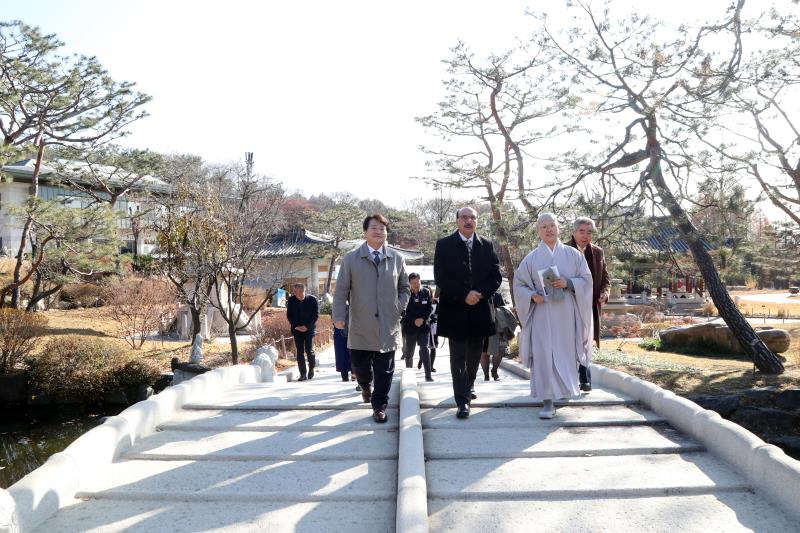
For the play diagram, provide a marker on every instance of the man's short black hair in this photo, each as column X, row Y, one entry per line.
column 413, row 275
column 379, row 218
column 299, row 286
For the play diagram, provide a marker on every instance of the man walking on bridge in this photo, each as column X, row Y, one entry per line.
column 467, row 271
column 373, row 279
column 583, row 231
column 302, row 311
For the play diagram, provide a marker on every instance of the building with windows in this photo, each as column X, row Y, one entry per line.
column 16, row 187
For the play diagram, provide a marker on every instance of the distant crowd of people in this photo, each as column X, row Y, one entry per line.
column 379, row 308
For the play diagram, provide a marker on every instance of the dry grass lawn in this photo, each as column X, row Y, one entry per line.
column 751, row 306
column 699, row 374
column 95, row 323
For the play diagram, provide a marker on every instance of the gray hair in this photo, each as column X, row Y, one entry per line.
column 458, row 211
column 545, row 216
column 583, row 221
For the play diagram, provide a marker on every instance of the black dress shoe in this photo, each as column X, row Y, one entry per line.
column 311, row 372
column 302, row 378
column 494, row 374
column 463, row 411
column 428, row 379
column 586, row 387
column 473, row 396
column 379, row 415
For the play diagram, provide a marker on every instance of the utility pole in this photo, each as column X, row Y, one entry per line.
column 248, row 161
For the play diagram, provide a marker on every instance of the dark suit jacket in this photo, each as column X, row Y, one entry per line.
column 600, row 282
column 303, row 313
column 419, row 306
column 456, row 319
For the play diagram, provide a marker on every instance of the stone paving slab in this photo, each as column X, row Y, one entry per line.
column 281, row 420
column 728, row 512
column 498, row 417
column 513, row 394
column 108, row 516
column 307, row 395
column 582, row 477
column 540, row 440
column 249, row 481
column 267, row 445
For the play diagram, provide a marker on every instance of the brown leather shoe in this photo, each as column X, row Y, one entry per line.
column 380, row 414
column 366, row 394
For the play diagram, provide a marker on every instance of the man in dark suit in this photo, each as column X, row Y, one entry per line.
column 302, row 311
column 467, row 272
column 416, row 326
column 583, row 230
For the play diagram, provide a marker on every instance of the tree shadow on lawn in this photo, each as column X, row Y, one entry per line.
column 86, row 332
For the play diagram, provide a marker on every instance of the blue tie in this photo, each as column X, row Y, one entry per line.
column 376, row 257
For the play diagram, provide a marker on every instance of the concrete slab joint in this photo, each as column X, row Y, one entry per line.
column 412, row 492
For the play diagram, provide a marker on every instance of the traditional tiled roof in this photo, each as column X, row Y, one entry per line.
column 23, row 170
column 666, row 238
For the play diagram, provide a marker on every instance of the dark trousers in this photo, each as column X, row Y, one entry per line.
column 376, row 368
column 465, row 357
column 413, row 338
column 304, row 343
column 584, row 374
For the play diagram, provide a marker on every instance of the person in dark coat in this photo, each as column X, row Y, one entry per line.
column 467, row 273
column 416, row 325
column 342, row 353
column 302, row 311
column 583, row 231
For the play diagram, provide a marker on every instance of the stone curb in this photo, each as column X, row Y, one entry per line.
column 40, row 494
column 412, row 490
column 8, row 518
column 770, row 471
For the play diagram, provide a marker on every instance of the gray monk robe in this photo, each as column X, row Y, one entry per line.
column 556, row 335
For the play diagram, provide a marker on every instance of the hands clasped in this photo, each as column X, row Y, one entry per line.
column 473, row 297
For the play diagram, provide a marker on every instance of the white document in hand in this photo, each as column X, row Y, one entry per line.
column 542, row 285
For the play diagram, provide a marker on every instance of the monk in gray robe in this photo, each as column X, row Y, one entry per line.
column 553, row 294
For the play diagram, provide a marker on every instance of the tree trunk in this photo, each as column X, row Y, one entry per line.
column 330, row 274
column 37, row 296
column 195, row 320
column 764, row 359
column 234, row 345
column 505, row 251
column 15, row 293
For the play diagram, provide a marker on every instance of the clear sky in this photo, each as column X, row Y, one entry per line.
column 323, row 92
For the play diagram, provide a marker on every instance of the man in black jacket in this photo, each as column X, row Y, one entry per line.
column 302, row 311
column 467, row 272
column 416, row 325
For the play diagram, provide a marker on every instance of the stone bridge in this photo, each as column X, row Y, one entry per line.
column 228, row 452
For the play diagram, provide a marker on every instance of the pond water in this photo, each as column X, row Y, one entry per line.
column 29, row 436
